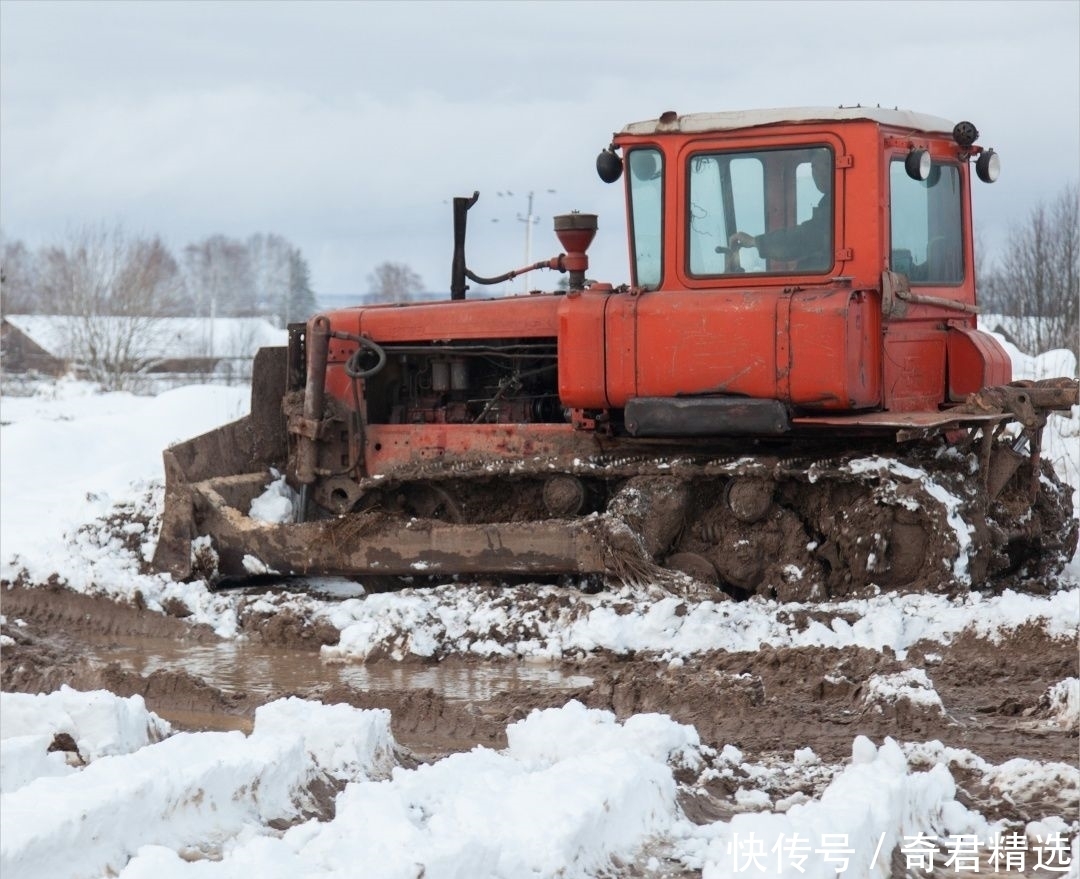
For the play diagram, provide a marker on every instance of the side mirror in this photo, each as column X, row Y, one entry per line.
column 609, row 166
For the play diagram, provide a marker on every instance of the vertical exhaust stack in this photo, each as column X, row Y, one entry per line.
column 575, row 233
column 458, row 271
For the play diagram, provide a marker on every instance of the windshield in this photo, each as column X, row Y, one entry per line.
column 766, row 211
column 926, row 219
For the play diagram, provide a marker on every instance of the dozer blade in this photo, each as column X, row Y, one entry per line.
column 376, row 543
column 255, row 442
column 211, row 480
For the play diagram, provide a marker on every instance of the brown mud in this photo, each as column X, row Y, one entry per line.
column 770, row 702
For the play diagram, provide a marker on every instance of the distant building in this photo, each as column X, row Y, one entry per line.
column 19, row 352
column 43, row 343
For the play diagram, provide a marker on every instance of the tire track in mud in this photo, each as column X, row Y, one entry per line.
column 775, row 700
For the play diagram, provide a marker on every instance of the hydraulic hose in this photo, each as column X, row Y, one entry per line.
column 353, row 369
column 553, row 263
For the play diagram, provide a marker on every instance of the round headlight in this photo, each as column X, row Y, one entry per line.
column 917, row 164
column 988, row 166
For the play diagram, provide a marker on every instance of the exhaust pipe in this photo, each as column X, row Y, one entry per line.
column 457, row 267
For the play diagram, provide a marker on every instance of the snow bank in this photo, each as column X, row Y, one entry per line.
column 114, row 443
column 864, row 814
column 1053, row 786
column 574, row 794
column 190, row 792
column 100, row 724
column 113, row 440
column 572, row 790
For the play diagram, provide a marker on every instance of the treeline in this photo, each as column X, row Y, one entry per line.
column 1036, row 277
column 101, row 270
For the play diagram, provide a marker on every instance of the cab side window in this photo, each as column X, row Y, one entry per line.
column 767, row 211
column 646, row 192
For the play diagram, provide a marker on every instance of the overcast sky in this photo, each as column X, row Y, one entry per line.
column 348, row 126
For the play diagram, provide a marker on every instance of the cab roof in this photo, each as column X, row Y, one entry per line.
column 731, row 120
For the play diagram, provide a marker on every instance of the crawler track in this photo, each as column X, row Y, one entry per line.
column 791, row 528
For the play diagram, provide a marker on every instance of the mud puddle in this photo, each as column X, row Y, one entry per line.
column 199, row 682
column 770, row 701
column 256, row 670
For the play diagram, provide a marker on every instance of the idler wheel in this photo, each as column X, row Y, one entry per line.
column 338, row 494
column 749, row 499
column 564, row 495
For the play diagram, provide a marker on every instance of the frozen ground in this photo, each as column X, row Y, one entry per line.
column 687, row 737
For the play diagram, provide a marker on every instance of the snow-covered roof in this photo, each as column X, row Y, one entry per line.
column 163, row 338
column 735, row 119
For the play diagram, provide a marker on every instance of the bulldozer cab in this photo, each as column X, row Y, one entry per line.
column 787, row 206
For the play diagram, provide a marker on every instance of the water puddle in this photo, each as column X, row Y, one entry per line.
column 257, row 670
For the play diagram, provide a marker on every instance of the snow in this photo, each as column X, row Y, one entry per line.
column 166, row 337
column 109, row 724
column 100, row 724
column 876, row 800
column 189, row 791
column 1056, row 785
column 574, row 793
column 276, row 504
column 114, row 444
column 432, row 622
column 911, row 685
column 1063, row 703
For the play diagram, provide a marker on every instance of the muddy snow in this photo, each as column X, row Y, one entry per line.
column 484, row 729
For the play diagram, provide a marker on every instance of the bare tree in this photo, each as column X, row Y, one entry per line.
column 282, row 279
column 219, row 277
column 113, row 290
column 394, row 282
column 264, row 276
column 18, row 280
column 1037, row 278
column 270, row 257
column 301, row 301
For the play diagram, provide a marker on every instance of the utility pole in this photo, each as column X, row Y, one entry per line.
column 529, row 219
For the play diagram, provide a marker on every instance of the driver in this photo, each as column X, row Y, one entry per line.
column 809, row 243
